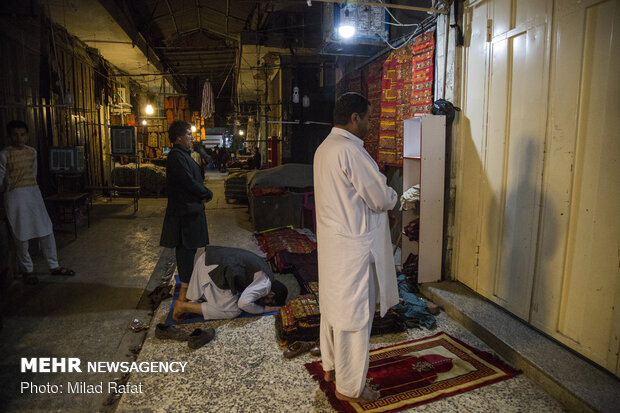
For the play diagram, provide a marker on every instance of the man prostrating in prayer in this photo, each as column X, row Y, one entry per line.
column 226, row 281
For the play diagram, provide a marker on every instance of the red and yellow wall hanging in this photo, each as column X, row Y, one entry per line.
column 366, row 82
column 406, row 90
column 374, row 76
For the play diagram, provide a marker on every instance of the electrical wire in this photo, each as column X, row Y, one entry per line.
column 423, row 26
column 394, row 47
column 401, row 24
column 391, row 15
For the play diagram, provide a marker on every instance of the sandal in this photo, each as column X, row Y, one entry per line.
column 29, row 278
column 62, row 271
column 297, row 348
column 316, row 349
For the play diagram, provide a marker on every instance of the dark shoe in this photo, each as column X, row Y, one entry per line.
column 432, row 308
column 62, row 271
column 199, row 338
column 297, row 348
column 30, row 279
column 315, row 351
column 167, row 332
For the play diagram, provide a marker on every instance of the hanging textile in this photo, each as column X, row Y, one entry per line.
column 350, row 82
column 373, row 76
column 251, row 136
column 130, row 119
column 152, row 140
column 407, row 89
column 208, row 107
column 423, row 53
column 395, row 98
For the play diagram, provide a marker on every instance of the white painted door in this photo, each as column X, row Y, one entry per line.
column 576, row 295
column 513, row 160
column 537, row 187
column 471, row 132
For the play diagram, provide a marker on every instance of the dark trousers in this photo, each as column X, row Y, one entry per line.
column 185, row 262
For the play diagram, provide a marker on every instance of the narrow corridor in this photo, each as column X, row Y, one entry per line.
column 118, row 261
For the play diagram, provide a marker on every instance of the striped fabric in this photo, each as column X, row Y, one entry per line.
column 20, row 170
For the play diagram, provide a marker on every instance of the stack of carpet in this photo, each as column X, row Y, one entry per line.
column 152, row 178
column 290, row 250
column 235, row 186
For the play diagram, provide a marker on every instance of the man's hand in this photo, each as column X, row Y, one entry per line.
column 271, row 309
column 392, row 218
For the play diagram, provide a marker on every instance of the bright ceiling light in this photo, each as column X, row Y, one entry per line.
column 346, row 31
column 241, row 132
column 149, row 109
column 144, row 122
column 193, row 128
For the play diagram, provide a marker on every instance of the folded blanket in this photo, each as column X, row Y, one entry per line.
column 300, row 319
column 284, row 239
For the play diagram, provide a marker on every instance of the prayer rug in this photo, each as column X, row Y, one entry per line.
column 191, row 318
column 420, row 371
column 284, row 239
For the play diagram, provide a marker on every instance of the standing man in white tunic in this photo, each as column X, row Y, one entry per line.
column 24, row 205
column 356, row 265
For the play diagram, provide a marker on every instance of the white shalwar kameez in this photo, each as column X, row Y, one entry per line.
column 27, row 215
column 354, row 252
column 220, row 304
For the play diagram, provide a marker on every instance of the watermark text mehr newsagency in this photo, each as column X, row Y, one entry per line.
column 74, row 365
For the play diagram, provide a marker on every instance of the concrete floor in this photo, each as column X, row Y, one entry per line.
column 117, row 259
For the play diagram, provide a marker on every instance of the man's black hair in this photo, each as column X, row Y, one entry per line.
column 15, row 124
column 280, row 291
column 178, row 128
column 348, row 104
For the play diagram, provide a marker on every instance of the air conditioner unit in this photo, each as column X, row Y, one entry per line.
column 67, row 159
column 123, row 139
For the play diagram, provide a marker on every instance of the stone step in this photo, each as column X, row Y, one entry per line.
column 577, row 383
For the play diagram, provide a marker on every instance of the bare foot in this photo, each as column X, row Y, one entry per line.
column 330, row 375
column 368, row 395
column 183, row 292
column 178, row 310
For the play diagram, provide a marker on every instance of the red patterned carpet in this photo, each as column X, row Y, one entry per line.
column 420, row 371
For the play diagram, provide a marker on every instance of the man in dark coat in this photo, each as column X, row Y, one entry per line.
column 256, row 159
column 185, row 224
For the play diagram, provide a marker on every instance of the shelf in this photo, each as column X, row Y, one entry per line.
column 425, row 136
